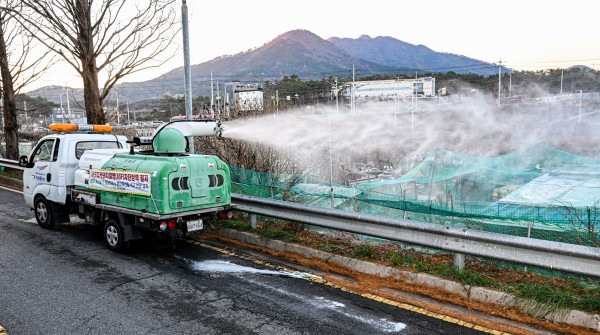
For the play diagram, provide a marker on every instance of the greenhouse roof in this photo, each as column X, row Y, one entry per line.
column 573, row 190
column 524, row 164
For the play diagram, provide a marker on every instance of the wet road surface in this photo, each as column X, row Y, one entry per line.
column 64, row 281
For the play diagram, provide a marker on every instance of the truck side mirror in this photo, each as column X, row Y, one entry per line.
column 23, row 161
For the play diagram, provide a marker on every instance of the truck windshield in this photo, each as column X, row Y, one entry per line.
column 43, row 152
column 82, row 147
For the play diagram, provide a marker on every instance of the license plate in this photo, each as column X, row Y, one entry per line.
column 194, row 225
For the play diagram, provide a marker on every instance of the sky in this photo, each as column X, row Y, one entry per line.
column 525, row 34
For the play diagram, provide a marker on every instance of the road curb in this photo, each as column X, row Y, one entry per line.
column 479, row 294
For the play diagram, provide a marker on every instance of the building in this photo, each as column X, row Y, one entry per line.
column 248, row 98
column 390, row 89
column 60, row 115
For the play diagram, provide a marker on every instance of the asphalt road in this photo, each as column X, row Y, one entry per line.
column 64, row 281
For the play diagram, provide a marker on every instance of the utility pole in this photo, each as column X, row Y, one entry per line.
column 25, row 108
column 562, row 72
column 337, row 106
column 580, row 98
column 352, row 92
column 412, row 112
column 69, row 106
column 416, row 91
column 62, row 111
column 212, row 96
column 218, row 99
column 500, row 81
column 330, row 165
column 396, row 106
column 187, row 67
column 276, row 101
column 509, row 84
column 128, row 122
column 118, row 112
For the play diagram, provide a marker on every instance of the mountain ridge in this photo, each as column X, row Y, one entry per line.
column 307, row 55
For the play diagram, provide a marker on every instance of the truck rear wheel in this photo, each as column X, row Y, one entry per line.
column 43, row 213
column 113, row 236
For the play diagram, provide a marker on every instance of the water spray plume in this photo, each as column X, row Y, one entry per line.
column 478, row 128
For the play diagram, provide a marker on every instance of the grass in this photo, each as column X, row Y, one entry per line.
column 277, row 234
column 266, row 229
column 465, row 276
column 540, row 299
column 591, row 301
column 397, row 259
column 329, row 246
column 235, row 224
column 364, row 251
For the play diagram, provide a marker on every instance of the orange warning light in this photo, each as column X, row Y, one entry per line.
column 82, row 127
column 63, row 127
column 102, row 128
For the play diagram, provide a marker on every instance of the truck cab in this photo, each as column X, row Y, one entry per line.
column 50, row 168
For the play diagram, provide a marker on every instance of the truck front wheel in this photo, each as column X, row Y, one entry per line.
column 113, row 236
column 43, row 212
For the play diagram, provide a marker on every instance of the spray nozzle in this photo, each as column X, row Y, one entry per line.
column 219, row 129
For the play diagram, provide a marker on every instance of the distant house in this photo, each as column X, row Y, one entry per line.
column 248, row 98
column 389, row 89
column 63, row 116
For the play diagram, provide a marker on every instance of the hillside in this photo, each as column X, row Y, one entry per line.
column 395, row 53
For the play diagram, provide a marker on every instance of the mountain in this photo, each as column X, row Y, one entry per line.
column 57, row 93
column 302, row 53
column 389, row 51
column 295, row 52
column 582, row 68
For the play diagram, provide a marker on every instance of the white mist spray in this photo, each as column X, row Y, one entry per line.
column 383, row 130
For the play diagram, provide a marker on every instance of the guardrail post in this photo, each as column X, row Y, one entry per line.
column 252, row 220
column 459, row 261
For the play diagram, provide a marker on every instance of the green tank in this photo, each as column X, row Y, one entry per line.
column 164, row 180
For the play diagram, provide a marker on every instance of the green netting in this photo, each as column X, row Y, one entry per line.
column 540, row 191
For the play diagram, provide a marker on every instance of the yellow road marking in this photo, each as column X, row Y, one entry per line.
column 370, row 296
column 12, row 190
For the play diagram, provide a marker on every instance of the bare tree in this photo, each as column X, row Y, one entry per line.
column 585, row 221
column 19, row 66
column 272, row 169
column 106, row 38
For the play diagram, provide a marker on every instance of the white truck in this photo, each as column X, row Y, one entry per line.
column 59, row 173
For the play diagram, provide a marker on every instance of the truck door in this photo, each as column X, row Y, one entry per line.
column 37, row 178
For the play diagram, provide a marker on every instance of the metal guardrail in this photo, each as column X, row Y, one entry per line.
column 547, row 254
column 10, row 164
